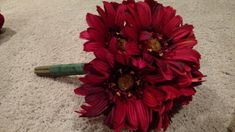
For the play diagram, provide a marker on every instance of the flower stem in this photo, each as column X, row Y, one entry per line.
column 60, row 70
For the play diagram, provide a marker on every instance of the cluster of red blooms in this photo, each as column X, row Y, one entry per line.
column 145, row 68
column 1, row 21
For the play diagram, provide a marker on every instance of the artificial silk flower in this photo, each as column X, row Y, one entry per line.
column 1, row 21
column 145, row 68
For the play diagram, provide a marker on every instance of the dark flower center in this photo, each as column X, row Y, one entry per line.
column 121, row 43
column 154, row 45
column 126, row 82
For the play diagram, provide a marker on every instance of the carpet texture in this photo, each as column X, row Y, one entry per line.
column 42, row 32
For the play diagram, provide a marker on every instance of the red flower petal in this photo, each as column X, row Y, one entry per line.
column 139, row 63
column 109, row 119
column 144, row 35
column 169, row 13
column 97, row 68
column 85, row 35
column 105, row 55
column 92, row 46
column 128, row 1
column 100, row 66
column 122, row 58
column 95, row 35
column 171, row 92
column 184, row 100
column 181, row 32
column 185, row 43
column 172, row 24
column 92, row 78
column 169, row 105
column 143, row 115
column 152, row 4
column 120, row 16
column 154, row 79
column 184, row 81
column 157, row 17
column 130, row 33
column 132, row 17
column 120, row 114
column 132, row 48
column 164, row 69
column 166, row 121
column 148, row 58
column 188, row 91
column 160, row 121
column 153, row 97
column 101, row 12
column 109, row 9
column 88, row 89
column 113, row 45
column 149, row 99
column 110, row 13
column 179, row 67
column 91, row 99
column 95, row 22
column 197, row 73
column 144, row 13
column 188, row 55
column 99, row 105
column 131, row 116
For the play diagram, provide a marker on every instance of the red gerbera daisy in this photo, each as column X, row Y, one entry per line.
column 123, row 93
column 1, row 21
column 145, row 68
column 103, row 27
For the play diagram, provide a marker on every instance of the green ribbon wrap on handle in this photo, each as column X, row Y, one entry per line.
column 60, row 70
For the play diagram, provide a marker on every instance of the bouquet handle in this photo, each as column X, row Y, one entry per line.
column 60, row 70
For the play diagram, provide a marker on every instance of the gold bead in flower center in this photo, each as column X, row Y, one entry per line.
column 153, row 45
column 126, row 82
column 121, row 43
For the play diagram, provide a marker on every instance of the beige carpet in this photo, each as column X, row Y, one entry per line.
column 41, row 32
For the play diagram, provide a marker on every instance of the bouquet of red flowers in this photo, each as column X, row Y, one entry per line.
column 145, row 68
